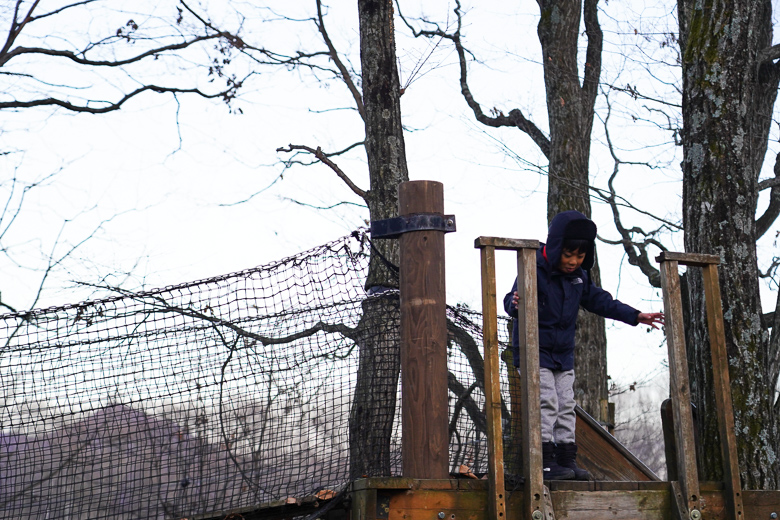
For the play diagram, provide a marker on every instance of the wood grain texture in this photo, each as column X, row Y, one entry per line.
column 496, row 491
column 722, row 386
column 604, row 456
column 693, row 259
column 680, row 391
column 411, row 499
column 509, row 244
column 761, row 504
column 423, row 337
column 528, row 323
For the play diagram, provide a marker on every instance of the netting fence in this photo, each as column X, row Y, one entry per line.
column 226, row 393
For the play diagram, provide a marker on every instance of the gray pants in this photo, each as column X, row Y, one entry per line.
column 556, row 390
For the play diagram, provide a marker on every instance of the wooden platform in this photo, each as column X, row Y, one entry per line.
column 278, row 509
column 625, row 488
column 467, row 499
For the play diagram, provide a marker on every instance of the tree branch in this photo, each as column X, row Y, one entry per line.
column 769, row 183
column 634, row 93
column 324, row 158
column 465, row 401
column 769, row 54
column 20, row 51
column 274, row 58
column 227, row 95
column 159, row 304
column 636, row 251
column 470, row 349
column 515, row 117
column 592, row 74
column 774, row 346
column 346, row 77
column 8, row 53
column 17, row 27
column 765, row 221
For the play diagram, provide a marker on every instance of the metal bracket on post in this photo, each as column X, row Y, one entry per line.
column 395, row 227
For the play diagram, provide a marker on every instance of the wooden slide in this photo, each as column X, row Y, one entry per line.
column 602, row 454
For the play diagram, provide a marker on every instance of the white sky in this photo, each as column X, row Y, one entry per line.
column 162, row 169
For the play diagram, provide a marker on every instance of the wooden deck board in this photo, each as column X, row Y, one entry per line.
column 400, row 499
column 467, row 499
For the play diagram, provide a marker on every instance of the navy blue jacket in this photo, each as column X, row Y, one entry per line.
column 560, row 297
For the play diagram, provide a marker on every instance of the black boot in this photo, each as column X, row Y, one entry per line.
column 566, row 456
column 551, row 469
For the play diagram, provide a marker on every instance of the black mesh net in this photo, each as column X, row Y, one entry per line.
column 225, row 393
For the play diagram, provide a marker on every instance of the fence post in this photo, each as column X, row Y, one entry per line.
column 425, row 442
column 720, row 372
column 534, row 493
column 685, row 491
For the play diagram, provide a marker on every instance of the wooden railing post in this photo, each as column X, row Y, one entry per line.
column 725, row 410
column 687, row 497
column 680, row 388
column 496, row 486
column 528, row 323
column 533, row 488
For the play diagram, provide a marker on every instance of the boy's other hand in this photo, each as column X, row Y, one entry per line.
column 650, row 318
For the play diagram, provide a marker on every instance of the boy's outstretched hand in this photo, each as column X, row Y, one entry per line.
column 650, row 318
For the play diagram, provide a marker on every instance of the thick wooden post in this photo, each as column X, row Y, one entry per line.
column 423, row 337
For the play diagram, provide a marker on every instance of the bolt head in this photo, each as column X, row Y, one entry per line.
column 773, row 516
column 537, row 515
column 695, row 514
column 442, row 515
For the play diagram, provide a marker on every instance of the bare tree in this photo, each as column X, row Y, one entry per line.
column 130, row 47
column 95, row 57
column 728, row 92
column 570, row 109
column 730, row 79
column 373, row 407
column 134, row 49
column 728, row 88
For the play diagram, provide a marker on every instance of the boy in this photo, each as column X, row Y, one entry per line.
column 563, row 266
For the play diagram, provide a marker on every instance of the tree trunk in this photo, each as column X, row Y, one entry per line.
column 373, row 406
column 374, row 403
column 728, row 97
column 570, row 108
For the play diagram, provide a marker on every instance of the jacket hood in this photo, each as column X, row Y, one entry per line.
column 570, row 224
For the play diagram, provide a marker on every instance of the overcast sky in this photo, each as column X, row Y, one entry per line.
column 168, row 174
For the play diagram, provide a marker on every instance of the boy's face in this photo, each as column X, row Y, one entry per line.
column 571, row 260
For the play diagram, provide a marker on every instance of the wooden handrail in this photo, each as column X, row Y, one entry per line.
column 527, row 313
column 688, row 498
column 680, row 389
column 693, row 259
